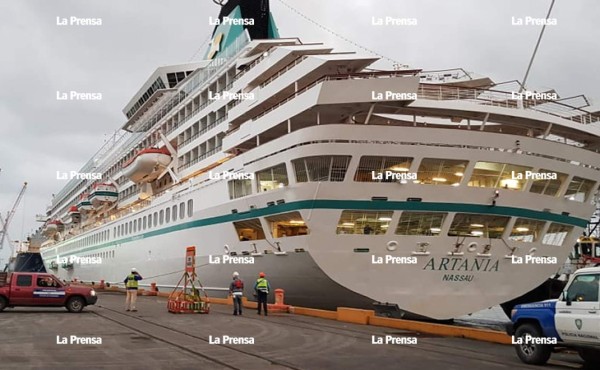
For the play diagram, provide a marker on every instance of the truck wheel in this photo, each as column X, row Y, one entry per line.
column 3, row 303
column 529, row 353
column 590, row 356
column 75, row 304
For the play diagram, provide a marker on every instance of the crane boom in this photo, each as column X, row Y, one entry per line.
column 10, row 215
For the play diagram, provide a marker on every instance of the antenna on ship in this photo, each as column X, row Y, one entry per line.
column 396, row 65
column 220, row 2
column 535, row 49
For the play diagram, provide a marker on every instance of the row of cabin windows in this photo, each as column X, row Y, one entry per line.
column 158, row 218
column 96, row 238
column 463, row 225
column 363, row 222
column 431, row 171
column 104, row 255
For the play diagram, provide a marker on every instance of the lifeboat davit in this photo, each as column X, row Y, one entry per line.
column 52, row 227
column 84, row 205
column 103, row 193
column 147, row 165
column 75, row 214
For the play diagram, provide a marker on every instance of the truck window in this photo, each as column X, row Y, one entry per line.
column 46, row 282
column 584, row 288
column 24, row 280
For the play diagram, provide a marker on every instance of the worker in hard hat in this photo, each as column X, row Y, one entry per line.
column 262, row 288
column 236, row 290
column 131, row 286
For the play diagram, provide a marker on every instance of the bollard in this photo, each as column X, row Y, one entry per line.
column 279, row 305
column 279, row 295
column 153, row 290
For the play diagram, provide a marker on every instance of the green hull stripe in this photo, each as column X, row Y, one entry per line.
column 352, row 205
column 104, row 193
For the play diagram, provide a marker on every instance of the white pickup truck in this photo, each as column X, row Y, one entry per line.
column 571, row 321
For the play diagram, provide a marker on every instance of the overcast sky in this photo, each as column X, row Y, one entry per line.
column 40, row 135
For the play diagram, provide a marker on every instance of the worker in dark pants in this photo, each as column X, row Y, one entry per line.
column 262, row 288
column 236, row 290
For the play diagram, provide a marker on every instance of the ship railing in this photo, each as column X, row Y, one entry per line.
column 284, row 70
column 352, row 76
column 200, row 158
column 203, row 131
column 443, row 75
column 249, row 67
column 506, row 100
column 196, row 81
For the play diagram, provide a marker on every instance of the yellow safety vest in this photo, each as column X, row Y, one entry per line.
column 131, row 282
column 262, row 284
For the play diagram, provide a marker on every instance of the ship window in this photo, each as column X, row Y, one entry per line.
column 478, row 226
column 249, row 229
column 168, row 215
column 156, row 219
column 499, row 175
column 272, row 178
column 181, row 210
column 579, row 189
column 420, row 223
column 526, row 230
column 364, row 222
column 162, row 216
column 548, row 187
column 190, row 208
column 439, row 171
column 321, row 168
column 144, row 221
column 174, row 213
column 371, row 167
column 134, row 225
column 239, row 188
column 130, row 229
column 556, row 234
column 287, row 224
column 114, row 232
column 149, row 220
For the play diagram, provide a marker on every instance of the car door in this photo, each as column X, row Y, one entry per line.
column 48, row 291
column 577, row 316
column 21, row 290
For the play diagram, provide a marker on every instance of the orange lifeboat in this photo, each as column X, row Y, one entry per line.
column 75, row 214
column 147, row 165
column 103, row 193
column 84, row 205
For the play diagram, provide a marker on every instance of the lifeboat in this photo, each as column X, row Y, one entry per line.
column 52, row 227
column 84, row 205
column 147, row 165
column 75, row 214
column 103, row 193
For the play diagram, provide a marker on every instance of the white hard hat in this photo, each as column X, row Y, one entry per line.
column 236, row 274
column 133, row 269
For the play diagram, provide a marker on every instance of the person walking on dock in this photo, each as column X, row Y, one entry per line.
column 131, row 286
column 262, row 288
column 236, row 290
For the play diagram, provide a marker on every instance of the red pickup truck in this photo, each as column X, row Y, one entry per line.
column 42, row 290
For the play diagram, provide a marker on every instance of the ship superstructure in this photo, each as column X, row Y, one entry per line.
column 347, row 185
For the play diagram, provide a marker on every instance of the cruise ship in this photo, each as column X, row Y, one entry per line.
column 436, row 193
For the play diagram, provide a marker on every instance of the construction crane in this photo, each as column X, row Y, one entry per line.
column 9, row 216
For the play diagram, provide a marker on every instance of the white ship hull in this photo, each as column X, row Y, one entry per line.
column 328, row 272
